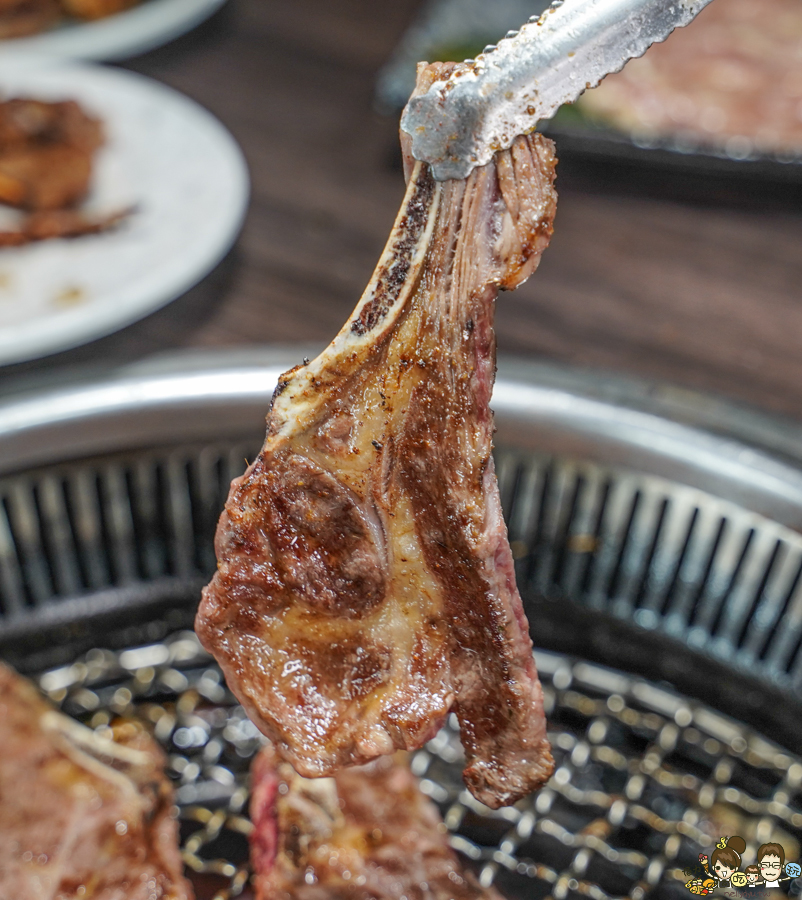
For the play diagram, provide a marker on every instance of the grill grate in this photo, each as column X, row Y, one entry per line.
column 616, row 566
column 646, row 779
column 724, row 581
column 77, row 528
column 132, row 531
column 670, row 558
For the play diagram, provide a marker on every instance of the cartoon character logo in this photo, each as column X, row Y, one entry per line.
column 725, row 861
column 771, row 862
column 701, row 886
column 722, row 869
column 752, row 875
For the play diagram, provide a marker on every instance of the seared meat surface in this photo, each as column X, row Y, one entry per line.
column 365, row 584
column 366, row 834
column 82, row 815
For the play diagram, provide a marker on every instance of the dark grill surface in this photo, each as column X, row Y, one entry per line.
column 718, row 581
column 619, row 567
column 646, row 779
column 661, row 555
column 73, row 529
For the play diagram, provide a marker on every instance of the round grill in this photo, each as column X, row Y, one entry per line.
column 657, row 541
column 645, row 778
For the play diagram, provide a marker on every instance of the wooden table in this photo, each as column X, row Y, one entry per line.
column 641, row 277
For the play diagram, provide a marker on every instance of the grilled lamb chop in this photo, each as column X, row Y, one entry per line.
column 365, row 584
column 366, row 834
column 82, row 815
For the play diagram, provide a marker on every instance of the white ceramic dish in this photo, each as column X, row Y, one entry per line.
column 164, row 155
column 153, row 23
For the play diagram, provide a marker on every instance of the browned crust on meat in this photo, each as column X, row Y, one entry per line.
column 394, row 277
column 369, row 833
column 75, row 821
column 411, row 564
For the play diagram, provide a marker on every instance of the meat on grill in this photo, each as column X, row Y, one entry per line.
column 365, row 584
column 82, row 815
column 368, row 833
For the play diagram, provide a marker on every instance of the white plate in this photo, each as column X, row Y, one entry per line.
column 126, row 34
column 165, row 155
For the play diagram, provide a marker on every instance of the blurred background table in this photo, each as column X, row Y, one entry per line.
column 643, row 276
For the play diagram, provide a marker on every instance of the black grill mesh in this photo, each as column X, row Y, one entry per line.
column 667, row 557
column 71, row 530
column 646, row 779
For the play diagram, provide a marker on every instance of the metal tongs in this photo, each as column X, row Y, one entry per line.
column 460, row 123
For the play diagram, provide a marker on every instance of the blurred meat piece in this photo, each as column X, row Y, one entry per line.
column 24, row 122
column 21, row 17
column 82, row 815
column 96, row 9
column 46, row 161
column 46, row 153
column 58, row 223
column 731, row 80
column 365, row 584
column 366, row 834
column 44, row 177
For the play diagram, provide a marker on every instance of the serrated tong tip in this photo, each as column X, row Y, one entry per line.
column 460, row 122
